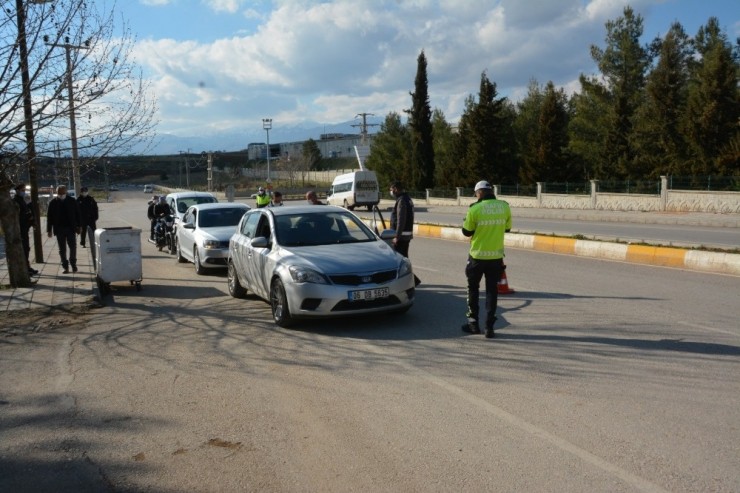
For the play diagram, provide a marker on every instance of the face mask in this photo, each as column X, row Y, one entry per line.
column 393, row 194
column 84, row 194
column 21, row 193
column 62, row 196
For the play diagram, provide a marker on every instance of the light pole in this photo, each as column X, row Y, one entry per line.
column 28, row 122
column 267, row 125
column 70, row 95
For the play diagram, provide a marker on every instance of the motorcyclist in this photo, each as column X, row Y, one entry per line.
column 154, row 201
column 160, row 209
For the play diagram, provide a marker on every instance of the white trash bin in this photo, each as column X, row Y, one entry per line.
column 118, row 257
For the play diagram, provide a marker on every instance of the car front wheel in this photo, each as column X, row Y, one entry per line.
column 279, row 304
column 180, row 258
column 235, row 288
column 196, row 261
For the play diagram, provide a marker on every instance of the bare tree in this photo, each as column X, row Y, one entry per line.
column 88, row 96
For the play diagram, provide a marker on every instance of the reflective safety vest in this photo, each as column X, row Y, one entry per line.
column 262, row 200
column 488, row 219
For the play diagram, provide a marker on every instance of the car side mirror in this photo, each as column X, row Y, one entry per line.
column 259, row 242
column 387, row 234
column 188, row 226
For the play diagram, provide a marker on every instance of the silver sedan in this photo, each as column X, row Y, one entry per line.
column 203, row 236
column 313, row 261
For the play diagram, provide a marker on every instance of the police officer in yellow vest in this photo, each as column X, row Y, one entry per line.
column 485, row 224
column 262, row 198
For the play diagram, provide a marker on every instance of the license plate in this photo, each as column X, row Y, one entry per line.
column 368, row 294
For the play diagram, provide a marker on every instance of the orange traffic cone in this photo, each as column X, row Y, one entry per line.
column 503, row 284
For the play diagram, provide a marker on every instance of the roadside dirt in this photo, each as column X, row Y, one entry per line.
column 22, row 322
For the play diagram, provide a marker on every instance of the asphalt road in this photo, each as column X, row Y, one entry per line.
column 604, row 376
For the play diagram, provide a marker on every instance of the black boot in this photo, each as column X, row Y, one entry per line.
column 471, row 327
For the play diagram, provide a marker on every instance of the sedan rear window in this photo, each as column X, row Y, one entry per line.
column 220, row 217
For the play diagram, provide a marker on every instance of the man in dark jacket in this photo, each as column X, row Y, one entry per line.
column 25, row 221
column 89, row 215
column 150, row 214
column 402, row 218
column 63, row 220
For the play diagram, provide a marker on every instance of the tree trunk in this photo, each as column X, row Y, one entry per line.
column 17, row 268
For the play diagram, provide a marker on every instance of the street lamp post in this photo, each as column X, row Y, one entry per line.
column 267, row 125
column 28, row 122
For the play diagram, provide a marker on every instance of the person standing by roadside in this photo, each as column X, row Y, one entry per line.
column 25, row 221
column 312, row 198
column 485, row 224
column 262, row 198
column 277, row 199
column 63, row 220
column 402, row 218
column 89, row 214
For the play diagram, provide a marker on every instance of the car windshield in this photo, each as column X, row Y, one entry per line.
column 185, row 202
column 216, row 218
column 323, row 228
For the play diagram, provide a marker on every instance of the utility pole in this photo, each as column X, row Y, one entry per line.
column 71, row 97
column 267, row 126
column 363, row 126
column 210, row 171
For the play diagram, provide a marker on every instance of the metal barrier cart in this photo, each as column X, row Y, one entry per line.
column 118, row 257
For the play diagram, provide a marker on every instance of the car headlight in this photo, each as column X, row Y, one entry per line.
column 208, row 244
column 405, row 268
column 303, row 274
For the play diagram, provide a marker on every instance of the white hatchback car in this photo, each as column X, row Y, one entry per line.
column 203, row 235
column 317, row 261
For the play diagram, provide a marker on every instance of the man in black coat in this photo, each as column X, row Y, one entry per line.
column 89, row 215
column 63, row 220
column 25, row 221
column 402, row 218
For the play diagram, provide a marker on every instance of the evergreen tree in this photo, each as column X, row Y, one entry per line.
column 541, row 127
column 486, row 143
column 588, row 130
column 311, row 154
column 420, row 130
column 552, row 137
column 658, row 142
column 623, row 65
column 713, row 108
column 446, row 169
column 525, row 130
column 390, row 152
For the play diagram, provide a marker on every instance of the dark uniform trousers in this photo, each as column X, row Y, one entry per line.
column 474, row 271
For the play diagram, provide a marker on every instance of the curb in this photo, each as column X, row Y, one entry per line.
column 714, row 262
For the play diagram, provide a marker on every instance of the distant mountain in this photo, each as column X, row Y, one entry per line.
column 235, row 140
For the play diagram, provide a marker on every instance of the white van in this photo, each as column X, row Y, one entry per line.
column 359, row 188
column 148, row 188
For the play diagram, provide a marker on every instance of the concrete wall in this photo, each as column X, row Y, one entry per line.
column 666, row 201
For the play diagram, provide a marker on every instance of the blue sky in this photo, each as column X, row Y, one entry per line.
column 223, row 65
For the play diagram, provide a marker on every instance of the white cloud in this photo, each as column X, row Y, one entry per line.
column 327, row 61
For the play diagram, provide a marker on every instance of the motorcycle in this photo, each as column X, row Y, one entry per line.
column 164, row 233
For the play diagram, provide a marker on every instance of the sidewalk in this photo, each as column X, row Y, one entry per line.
column 52, row 287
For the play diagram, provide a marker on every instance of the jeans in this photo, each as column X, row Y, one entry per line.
column 474, row 271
